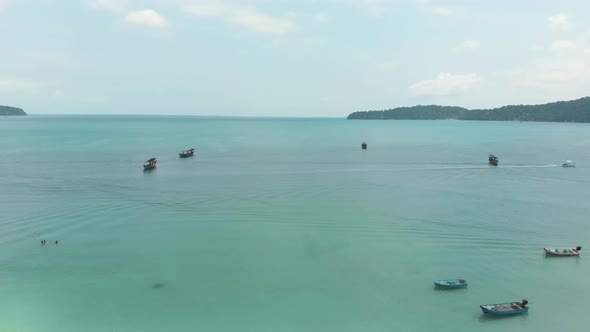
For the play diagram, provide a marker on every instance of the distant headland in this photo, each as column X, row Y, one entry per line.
column 562, row 111
column 8, row 110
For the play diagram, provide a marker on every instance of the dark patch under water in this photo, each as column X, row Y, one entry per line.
column 159, row 285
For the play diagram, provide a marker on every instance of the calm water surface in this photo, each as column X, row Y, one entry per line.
column 287, row 225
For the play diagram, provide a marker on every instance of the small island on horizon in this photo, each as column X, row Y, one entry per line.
column 562, row 111
column 11, row 111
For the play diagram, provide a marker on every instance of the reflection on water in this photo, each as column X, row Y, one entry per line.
column 150, row 170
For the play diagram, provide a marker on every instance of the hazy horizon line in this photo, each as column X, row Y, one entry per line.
column 189, row 115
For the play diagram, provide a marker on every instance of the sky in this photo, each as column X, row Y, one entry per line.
column 299, row 58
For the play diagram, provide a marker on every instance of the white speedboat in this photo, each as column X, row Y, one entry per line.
column 569, row 163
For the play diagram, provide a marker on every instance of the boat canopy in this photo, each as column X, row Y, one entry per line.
column 150, row 160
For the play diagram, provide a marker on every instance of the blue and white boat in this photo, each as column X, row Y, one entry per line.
column 503, row 309
column 451, row 283
column 563, row 252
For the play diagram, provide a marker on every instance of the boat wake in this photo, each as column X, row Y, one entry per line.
column 476, row 166
column 529, row 166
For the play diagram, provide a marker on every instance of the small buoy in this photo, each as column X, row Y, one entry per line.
column 364, row 145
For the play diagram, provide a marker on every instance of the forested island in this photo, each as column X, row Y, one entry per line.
column 562, row 111
column 8, row 110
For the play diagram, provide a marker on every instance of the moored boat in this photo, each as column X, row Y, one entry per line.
column 563, row 252
column 364, row 145
column 187, row 153
column 451, row 283
column 493, row 160
column 569, row 163
column 501, row 309
column 150, row 163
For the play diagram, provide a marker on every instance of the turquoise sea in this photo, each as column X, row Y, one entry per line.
column 287, row 225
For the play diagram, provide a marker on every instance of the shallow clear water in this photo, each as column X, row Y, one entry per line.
column 287, row 225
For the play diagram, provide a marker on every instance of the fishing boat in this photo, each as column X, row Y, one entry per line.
column 364, row 145
column 150, row 164
column 563, row 252
column 512, row 308
column 451, row 283
column 569, row 163
column 493, row 160
column 187, row 153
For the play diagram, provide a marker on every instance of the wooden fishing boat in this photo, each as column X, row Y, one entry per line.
column 493, row 160
column 563, row 252
column 502, row 309
column 150, row 164
column 187, row 153
column 451, row 283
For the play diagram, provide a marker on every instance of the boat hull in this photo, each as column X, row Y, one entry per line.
column 150, row 163
column 493, row 160
column 186, row 153
column 491, row 310
column 569, row 163
column 450, row 284
column 561, row 252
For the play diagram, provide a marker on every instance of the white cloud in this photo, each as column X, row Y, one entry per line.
column 94, row 99
column 246, row 17
column 467, row 45
column 387, row 65
column 147, row 17
column 113, row 5
column 263, row 23
column 17, row 86
column 58, row 94
column 321, row 17
column 562, row 68
column 562, row 44
column 373, row 7
column 446, row 84
column 551, row 76
column 560, row 73
column 441, row 11
column 558, row 22
column 209, row 8
column 426, row 6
